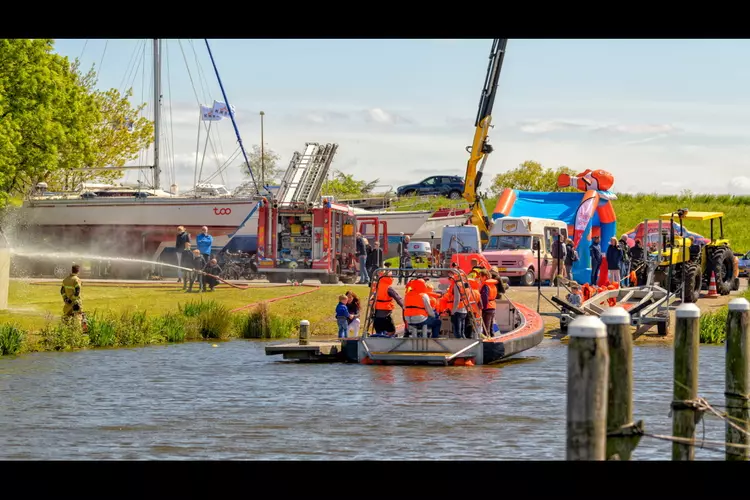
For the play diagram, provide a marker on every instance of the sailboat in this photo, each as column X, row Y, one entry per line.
column 140, row 222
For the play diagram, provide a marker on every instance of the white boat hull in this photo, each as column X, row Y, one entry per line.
column 221, row 215
column 160, row 216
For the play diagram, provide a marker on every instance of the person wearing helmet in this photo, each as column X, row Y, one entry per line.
column 71, row 295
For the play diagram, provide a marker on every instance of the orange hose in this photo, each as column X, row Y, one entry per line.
column 275, row 299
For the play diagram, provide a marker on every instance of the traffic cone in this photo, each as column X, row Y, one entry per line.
column 712, row 286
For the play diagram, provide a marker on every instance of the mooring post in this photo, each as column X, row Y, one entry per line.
column 737, row 388
column 684, row 412
column 588, row 373
column 304, row 332
column 622, row 434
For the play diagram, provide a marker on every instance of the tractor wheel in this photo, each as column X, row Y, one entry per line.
column 693, row 282
column 722, row 263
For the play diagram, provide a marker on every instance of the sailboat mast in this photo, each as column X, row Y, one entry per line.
column 157, row 110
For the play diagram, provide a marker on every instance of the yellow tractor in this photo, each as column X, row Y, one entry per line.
column 681, row 260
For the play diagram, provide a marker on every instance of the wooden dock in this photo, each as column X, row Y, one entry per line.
column 313, row 350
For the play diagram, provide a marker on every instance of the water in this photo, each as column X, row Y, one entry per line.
column 77, row 257
column 194, row 401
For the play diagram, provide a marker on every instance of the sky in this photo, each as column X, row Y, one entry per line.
column 660, row 115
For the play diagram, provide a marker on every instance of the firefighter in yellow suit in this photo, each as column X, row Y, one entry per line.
column 71, row 295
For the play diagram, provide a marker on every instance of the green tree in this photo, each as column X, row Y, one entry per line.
column 53, row 122
column 530, row 176
column 45, row 113
column 267, row 170
column 345, row 185
column 116, row 138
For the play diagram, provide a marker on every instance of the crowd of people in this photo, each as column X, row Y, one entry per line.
column 622, row 259
column 204, row 268
column 467, row 302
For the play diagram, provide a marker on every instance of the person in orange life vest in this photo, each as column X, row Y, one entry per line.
column 433, row 297
column 488, row 294
column 458, row 308
column 385, row 302
column 417, row 309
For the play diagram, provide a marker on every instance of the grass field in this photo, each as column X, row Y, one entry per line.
column 30, row 305
column 633, row 209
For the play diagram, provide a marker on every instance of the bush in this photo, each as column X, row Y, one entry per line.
column 171, row 327
column 260, row 323
column 215, row 323
column 134, row 328
column 102, row 331
column 63, row 335
column 11, row 339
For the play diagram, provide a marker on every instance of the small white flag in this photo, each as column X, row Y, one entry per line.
column 222, row 110
column 209, row 115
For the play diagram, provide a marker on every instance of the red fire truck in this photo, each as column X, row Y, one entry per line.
column 299, row 241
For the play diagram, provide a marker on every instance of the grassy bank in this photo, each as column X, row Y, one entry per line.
column 633, row 209
column 134, row 316
column 194, row 320
column 713, row 324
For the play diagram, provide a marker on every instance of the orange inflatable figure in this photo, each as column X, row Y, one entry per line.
column 598, row 180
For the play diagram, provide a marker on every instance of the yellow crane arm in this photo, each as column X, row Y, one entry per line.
column 477, row 153
column 480, row 147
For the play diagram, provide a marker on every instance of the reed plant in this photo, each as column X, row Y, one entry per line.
column 135, row 329
column 195, row 308
column 171, row 327
column 11, row 339
column 102, row 330
column 713, row 326
column 215, row 322
column 64, row 335
column 261, row 323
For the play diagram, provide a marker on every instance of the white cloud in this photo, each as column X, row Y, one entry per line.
column 739, row 185
column 375, row 144
column 546, row 126
column 381, row 116
column 641, row 128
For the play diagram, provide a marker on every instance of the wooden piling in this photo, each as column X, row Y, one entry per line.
column 737, row 388
column 622, row 433
column 304, row 332
column 684, row 414
column 588, row 373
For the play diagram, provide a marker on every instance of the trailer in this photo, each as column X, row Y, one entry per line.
column 647, row 305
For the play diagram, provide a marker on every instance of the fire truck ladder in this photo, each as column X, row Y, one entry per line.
column 304, row 178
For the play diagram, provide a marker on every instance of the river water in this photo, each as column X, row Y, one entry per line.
column 195, row 401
